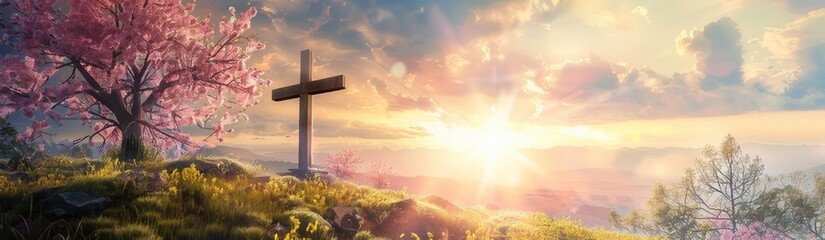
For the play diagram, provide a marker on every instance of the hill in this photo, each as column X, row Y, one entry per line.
column 818, row 169
column 69, row 198
column 271, row 166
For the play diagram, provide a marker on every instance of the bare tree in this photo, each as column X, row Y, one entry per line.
column 723, row 185
column 713, row 199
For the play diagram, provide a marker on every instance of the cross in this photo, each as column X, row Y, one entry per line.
column 304, row 91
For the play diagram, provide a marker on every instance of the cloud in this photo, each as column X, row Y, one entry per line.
column 642, row 12
column 618, row 20
column 801, row 6
column 717, row 50
column 579, row 80
column 324, row 126
column 802, row 42
column 790, row 6
column 366, row 130
column 598, row 89
column 400, row 102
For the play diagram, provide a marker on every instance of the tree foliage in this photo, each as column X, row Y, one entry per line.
column 379, row 174
column 139, row 69
column 728, row 196
column 344, row 164
column 19, row 153
column 794, row 210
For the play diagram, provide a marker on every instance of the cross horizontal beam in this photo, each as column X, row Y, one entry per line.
column 313, row 87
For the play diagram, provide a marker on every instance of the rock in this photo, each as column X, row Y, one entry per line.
column 17, row 163
column 345, row 219
column 74, row 204
column 21, row 176
column 149, row 179
column 440, row 202
column 306, row 217
column 409, row 216
column 221, row 168
column 276, row 228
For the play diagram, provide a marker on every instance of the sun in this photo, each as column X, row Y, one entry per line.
column 493, row 142
column 490, row 142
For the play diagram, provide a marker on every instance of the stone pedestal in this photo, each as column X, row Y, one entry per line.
column 304, row 174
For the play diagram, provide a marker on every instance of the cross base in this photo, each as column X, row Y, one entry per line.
column 304, row 174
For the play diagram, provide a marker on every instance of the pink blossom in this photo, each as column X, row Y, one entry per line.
column 752, row 231
column 193, row 68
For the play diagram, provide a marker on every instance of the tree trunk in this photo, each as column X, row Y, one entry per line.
column 131, row 147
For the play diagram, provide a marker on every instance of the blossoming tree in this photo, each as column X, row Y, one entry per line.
column 344, row 164
column 130, row 69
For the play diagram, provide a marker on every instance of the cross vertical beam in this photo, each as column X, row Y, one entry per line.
column 305, row 121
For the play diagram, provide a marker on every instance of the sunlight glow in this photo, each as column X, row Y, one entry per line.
column 493, row 141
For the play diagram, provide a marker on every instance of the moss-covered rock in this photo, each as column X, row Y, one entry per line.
column 215, row 167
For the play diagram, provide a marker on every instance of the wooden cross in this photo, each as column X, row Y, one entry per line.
column 304, row 90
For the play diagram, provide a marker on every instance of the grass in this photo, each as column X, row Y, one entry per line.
column 191, row 204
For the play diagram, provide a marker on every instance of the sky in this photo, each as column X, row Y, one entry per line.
column 537, row 74
column 491, row 77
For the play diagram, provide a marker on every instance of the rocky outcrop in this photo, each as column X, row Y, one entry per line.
column 419, row 217
column 74, row 204
column 222, row 168
column 346, row 220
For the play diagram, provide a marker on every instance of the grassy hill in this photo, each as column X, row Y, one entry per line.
column 218, row 198
column 270, row 165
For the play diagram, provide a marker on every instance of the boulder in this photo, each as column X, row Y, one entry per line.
column 345, row 220
column 276, row 228
column 221, row 168
column 442, row 203
column 151, row 179
column 74, row 204
column 18, row 163
column 410, row 216
column 21, row 176
column 306, row 217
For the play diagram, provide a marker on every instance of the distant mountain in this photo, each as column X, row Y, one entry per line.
column 65, row 147
column 233, row 152
column 818, row 169
column 589, row 202
column 786, row 158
